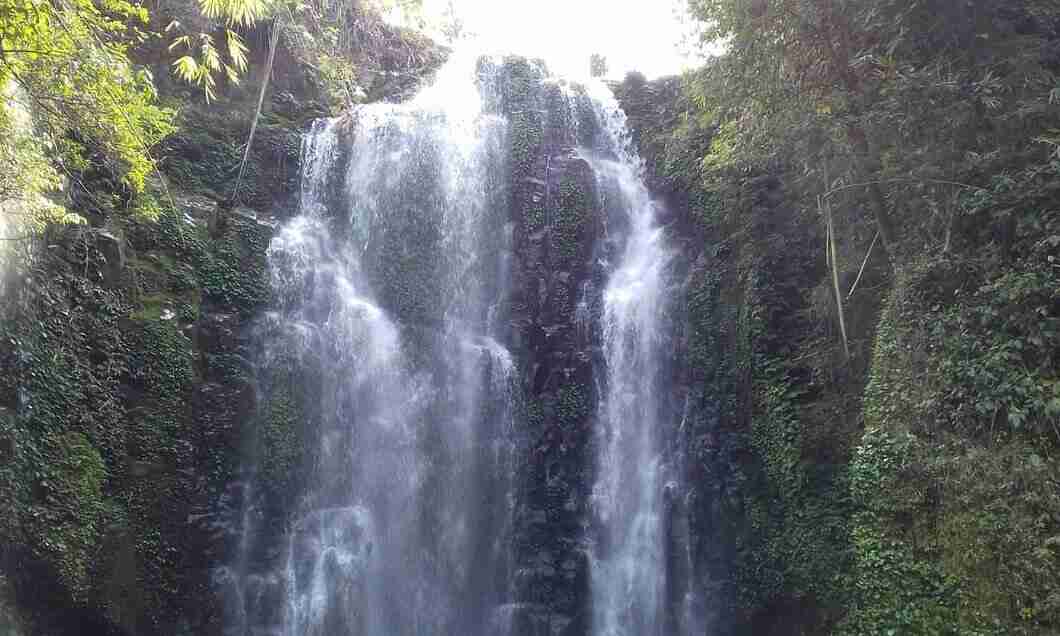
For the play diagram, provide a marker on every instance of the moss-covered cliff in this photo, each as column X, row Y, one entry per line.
column 126, row 379
column 123, row 388
column 870, row 436
column 904, row 483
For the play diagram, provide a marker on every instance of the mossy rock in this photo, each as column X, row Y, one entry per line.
column 969, row 515
column 67, row 506
column 573, row 216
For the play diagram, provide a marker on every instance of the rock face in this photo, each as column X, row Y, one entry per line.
column 124, row 402
column 136, row 355
column 549, row 268
column 727, row 318
column 553, row 241
column 124, row 395
column 566, row 239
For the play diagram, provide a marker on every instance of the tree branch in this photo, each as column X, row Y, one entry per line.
column 863, row 264
column 273, row 41
column 25, row 51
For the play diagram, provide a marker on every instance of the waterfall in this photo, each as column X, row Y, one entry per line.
column 418, row 492
column 630, row 567
column 389, row 290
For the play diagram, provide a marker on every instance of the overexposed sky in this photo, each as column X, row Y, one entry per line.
column 643, row 35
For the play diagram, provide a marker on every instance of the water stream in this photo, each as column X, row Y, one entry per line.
column 629, row 578
column 390, row 329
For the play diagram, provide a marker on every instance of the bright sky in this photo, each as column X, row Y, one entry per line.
column 642, row 35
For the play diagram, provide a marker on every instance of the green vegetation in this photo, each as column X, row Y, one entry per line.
column 908, row 487
column 69, row 60
column 572, row 208
column 902, row 477
column 124, row 378
column 572, row 405
column 78, row 98
column 99, row 445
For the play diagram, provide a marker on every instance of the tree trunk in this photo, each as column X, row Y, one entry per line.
column 869, row 167
column 868, row 164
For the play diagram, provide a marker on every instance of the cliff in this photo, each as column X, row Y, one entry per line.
column 127, row 383
column 902, row 482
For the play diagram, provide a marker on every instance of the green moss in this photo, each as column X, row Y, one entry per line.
column 161, row 358
column 405, row 271
column 281, row 442
column 534, row 215
column 799, row 515
column 63, row 521
column 961, row 520
column 151, row 307
column 572, row 405
column 146, row 207
column 526, row 134
column 102, row 458
column 793, row 526
column 204, row 156
column 896, row 592
column 521, row 79
column 912, row 487
column 535, row 414
column 572, row 208
column 188, row 311
column 233, row 270
column 520, row 88
column 526, row 131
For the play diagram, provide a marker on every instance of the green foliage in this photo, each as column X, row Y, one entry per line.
column 355, row 54
column 572, row 209
column 896, row 590
column 521, row 78
column 960, row 505
column 203, row 157
column 201, row 71
column 70, row 59
column 722, row 151
column 203, row 59
column 525, row 138
column 235, row 12
column 535, row 414
column 161, row 361
column 234, row 270
column 28, row 181
column 53, row 472
column 65, row 522
column 799, row 512
column 94, row 454
column 909, row 99
column 992, row 347
column 281, row 442
column 1001, row 362
column 944, row 508
column 404, row 266
column 898, row 593
column 228, row 268
column 572, row 405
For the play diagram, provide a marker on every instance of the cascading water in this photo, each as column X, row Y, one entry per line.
column 389, row 337
column 388, row 291
column 630, row 578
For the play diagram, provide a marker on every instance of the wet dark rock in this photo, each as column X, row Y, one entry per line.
column 112, row 251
